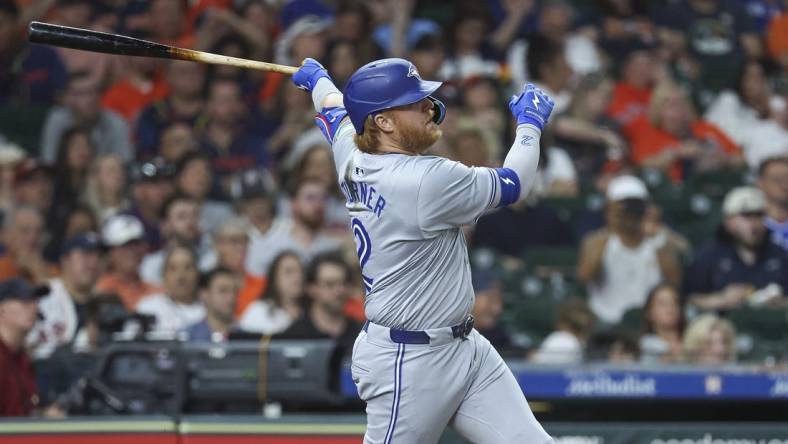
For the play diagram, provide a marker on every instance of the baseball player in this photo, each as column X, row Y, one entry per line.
column 418, row 363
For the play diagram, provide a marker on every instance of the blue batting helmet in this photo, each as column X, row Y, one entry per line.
column 385, row 84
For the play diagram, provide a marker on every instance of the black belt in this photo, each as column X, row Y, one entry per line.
column 461, row 330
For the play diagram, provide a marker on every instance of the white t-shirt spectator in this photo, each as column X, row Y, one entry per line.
column 265, row 318
column 559, row 347
column 626, row 277
column 171, row 316
column 759, row 138
column 59, row 325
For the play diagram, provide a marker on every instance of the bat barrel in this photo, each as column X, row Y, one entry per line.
column 88, row 40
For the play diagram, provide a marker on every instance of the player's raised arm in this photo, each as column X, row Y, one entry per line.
column 532, row 110
column 328, row 102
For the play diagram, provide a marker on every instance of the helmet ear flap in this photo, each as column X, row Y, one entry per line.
column 439, row 108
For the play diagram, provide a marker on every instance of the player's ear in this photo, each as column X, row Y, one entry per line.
column 384, row 122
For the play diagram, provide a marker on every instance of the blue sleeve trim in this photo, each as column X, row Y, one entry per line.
column 510, row 186
column 329, row 120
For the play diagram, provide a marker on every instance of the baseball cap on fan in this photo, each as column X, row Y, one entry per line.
column 121, row 229
column 743, row 200
column 20, row 289
column 625, row 188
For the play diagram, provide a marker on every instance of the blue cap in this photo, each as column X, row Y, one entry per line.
column 85, row 241
column 20, row 289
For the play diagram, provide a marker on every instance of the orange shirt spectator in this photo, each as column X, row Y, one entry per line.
column 777, row 37
column 251, row 290
column 651, row 141
column 673, row 136
column 129, row 291
column 354, row 308
column 128, row 97
column 628, row 105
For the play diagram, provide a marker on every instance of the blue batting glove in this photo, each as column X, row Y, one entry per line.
column 308, row 74
column 532, row 107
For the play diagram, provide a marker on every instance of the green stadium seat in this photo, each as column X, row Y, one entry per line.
column 632, row 321
column 544, row 261
column 769, row 324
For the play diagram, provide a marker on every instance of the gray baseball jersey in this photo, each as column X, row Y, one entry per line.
column 406, row 212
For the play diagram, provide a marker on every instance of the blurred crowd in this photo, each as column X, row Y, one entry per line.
column 201, row 201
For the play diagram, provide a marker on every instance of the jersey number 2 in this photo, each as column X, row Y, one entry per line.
column 363, row 249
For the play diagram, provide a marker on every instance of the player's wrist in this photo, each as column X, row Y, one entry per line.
column 323, row 89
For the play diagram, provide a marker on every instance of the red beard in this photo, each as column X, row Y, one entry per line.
column 417, row 138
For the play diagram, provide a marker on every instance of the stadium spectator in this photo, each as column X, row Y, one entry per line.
column 302, row 38
column 674, row 140
column 328, row 288
column 28, row 73
column 307, row 234
column 549, row 70
column 33, row 185
column 514, row 229
column 710, row 340
column 176, row 140
column 81, row 106
column 167, row 23
column 140, row 84
column 573, row 326
column 124, row 237
column 470, row 48
column 589, row 137
column 664, row 322
column 195, row 179
column 428, row 55
column 741, row 259
column 63, row 309
column 282, row 302
column 472, row 144
column 218, row 293
column 72, row 165
column 749, row 115
column 655, row 229
column 11, row 155
column 773, row 182
column 105, row 192
column 614, row 346
column 557, row 20
column 639, row 72
column 352, row 28
column 180, row 227
column 618, row 263
column 183, row 104
column 78, row 220
column 151, row 187
column 255, row 201
column 481, row 102
column 99, row 68
column 310, row 158
column 709, row 41
column 231, row 242
column 229, row 135
column 487, row 308
column 18, row 309
column 178, row 305
column 777, row 40
column 623, row 26
column 23, row 237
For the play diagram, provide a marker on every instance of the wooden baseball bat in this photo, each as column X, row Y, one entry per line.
column 87, row 40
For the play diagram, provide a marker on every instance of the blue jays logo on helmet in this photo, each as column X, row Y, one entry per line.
column 385, row 84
